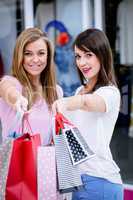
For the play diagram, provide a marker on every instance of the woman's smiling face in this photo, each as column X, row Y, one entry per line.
column 88, row 63
column 35, row 57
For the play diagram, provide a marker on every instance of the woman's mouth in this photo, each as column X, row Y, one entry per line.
column 86, row 70
column 35, row 67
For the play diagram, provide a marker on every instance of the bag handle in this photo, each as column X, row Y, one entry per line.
column 26, row 123
column 60, row 121
column 18, row 120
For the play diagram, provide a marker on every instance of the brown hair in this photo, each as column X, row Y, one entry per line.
column 96, row 41
column 47, row 77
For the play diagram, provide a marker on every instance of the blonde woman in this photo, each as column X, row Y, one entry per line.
column 31, row 85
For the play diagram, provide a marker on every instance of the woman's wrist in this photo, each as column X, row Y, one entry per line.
column 74, row 102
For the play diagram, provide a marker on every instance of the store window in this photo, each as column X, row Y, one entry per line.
column 63, row 20
column 119, row 28
column 11, row 23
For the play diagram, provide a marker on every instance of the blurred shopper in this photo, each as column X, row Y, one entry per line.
column 94, row 110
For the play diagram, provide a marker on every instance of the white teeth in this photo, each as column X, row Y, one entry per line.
column 34, row 66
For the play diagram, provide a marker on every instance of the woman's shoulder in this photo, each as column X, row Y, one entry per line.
column 111, row 97
column 108, row 88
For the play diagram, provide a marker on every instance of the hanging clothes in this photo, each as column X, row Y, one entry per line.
column 124, row 38
column 67, row 75
column 8, row 32
column 44, row 13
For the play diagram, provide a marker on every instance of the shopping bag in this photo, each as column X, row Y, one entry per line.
column 69, row 178
column 71, row 150
column 68, row 175
column 5, row 154
column 46, row 170
column 78, row 148
column 22, row 174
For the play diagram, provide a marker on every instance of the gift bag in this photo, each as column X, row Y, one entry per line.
column 68, row 175
column 5, row 154
column 47, row 185
column 71, row 150
column 78, row 148
column 21, row 181
column 69, row 178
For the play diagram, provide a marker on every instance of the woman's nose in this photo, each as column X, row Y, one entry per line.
column 35, row 58
column 82, row 60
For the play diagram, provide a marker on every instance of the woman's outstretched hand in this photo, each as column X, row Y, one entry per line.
column 21, row 104
column 68, row 103
column 59, row 106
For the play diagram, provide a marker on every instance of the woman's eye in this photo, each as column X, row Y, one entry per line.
column 42, row 53
column 89, row 54
column 27, row 53
column 77, row 56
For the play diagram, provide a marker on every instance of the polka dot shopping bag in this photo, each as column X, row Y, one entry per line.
column 46, row 174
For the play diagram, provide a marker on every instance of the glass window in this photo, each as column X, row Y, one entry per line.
column 11, row 23
column 119, row 26
column 62, row 20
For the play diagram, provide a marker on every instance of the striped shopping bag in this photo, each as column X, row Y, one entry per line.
column 69, row 178
column 71, row 150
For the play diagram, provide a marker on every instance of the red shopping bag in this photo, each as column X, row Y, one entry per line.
column 22, row 175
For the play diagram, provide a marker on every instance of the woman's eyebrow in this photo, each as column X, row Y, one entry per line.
column 38, row 50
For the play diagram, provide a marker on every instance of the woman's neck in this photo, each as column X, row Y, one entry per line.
column 90, row 85
column 35, row 81
column 88, row 88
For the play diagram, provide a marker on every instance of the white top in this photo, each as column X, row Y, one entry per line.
column 97, row 129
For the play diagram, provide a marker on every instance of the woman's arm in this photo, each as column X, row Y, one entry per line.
column 104, row 99
column 87, row 102
column 12, row 96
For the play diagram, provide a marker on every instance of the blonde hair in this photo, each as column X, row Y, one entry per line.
column 47, row 77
